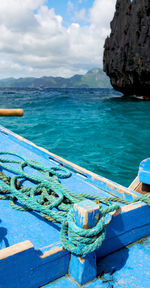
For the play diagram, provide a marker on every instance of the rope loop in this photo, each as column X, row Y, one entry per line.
column 81, row 241
column 55, row 202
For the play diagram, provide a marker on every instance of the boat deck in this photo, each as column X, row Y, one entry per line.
column 139, row 187
column 31, row 247
column 127, row 268
column 18, row 226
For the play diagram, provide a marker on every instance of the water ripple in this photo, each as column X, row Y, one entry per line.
column 95, row 128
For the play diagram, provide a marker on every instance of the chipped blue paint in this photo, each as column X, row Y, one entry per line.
column 126, row 268
column 29, row 269
column 83, row 270
column 144, row 171
column 91, row 208
column 20, row 226
column 86, row 214
column 125, row 228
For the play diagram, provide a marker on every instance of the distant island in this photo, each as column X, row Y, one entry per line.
column 94, row 78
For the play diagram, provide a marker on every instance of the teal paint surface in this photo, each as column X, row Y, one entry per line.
column 95, row 128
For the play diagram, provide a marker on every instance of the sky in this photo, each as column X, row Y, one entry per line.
column 52, row 37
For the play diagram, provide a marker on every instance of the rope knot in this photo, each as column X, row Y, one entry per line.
column 82, row 241
column 49, row 197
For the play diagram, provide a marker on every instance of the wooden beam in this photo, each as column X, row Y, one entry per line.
column 23, row 266
column 86, row 214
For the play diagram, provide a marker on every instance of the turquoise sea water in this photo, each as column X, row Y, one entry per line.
column 97, row 129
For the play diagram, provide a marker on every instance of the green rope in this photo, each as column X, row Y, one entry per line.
column 48, row 193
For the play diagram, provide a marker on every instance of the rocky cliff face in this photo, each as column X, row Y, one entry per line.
column 127, row 50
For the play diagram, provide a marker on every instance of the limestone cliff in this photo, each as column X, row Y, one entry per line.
column 127, row 50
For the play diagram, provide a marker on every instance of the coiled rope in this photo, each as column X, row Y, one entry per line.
column 48, row 193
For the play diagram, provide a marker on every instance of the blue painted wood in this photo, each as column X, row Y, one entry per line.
column 127, row 268
column 125, row 228
column 144, row 171
column 83, row 270
column 28, row 268
column 16, row 145
column 86, row 214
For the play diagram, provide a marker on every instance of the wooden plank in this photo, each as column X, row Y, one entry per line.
column 22, row 266
column 140, row 187
column 134, row 184
column 126, row 226
column 129, row 224
column 14, row 249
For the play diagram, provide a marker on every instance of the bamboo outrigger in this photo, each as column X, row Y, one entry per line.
column 11, row 112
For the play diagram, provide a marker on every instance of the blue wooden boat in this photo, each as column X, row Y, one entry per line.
column 32, row 254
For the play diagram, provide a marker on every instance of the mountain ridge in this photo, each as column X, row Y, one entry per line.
column 94, row 78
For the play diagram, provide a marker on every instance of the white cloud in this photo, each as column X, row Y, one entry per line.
column 101, row 13
column 17, row 15
column 80, row 15
column 33, row 40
